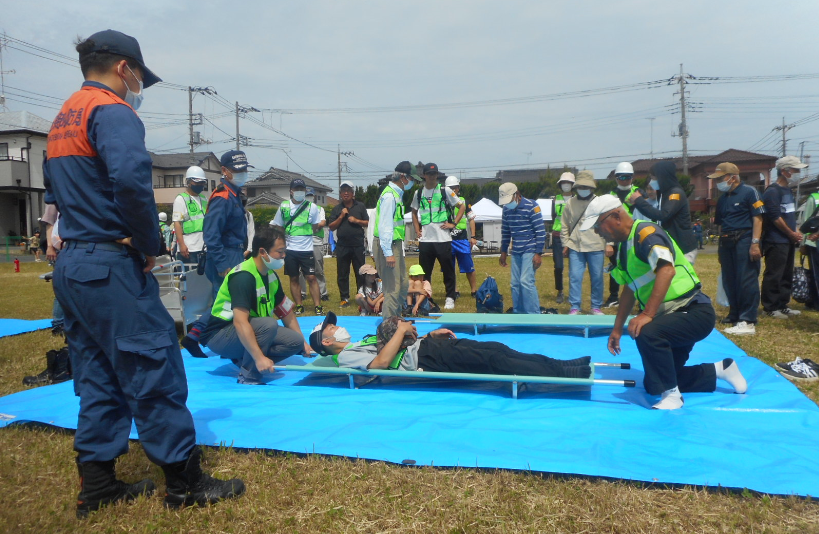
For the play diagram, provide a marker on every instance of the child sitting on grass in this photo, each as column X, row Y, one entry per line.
column 419, row 292
column 370, row 296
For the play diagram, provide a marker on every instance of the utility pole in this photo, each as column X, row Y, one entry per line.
column 190, row 121
column 340, row 165
column 3, row 75
column 784, row 128
column 652, row 136
column 193, row 139
column 237, row 126
column 683, row 126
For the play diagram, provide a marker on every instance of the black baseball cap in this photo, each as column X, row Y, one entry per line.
column 235, row 160
column 430, row 168
column 114, row 42
column 297, row 182
column 405, row 167
column 315, row 335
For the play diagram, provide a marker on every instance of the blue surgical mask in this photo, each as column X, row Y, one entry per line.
column 239, row 178
column 273, row 264
column 133, row 99
column 583, row 193
column 511, row 205
column 655, row 185
column 298, row 196
column 408, row 186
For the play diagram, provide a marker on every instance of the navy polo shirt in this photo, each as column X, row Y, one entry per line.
column 736, row 209
column 778, row 203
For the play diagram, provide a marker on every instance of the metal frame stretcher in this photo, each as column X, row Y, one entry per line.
column 481, row 321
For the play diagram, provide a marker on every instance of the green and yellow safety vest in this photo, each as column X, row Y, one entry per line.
column 464, row 220
column 560, row 205
column 433, row 210
column 398, row 231
column 222, row 307
column 195, row 213
column 301, row 225
column 626, row 206
column 373, row 340
column 638, row 275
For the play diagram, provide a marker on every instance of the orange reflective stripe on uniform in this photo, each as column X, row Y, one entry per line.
column 69, row 131
column 224, row 192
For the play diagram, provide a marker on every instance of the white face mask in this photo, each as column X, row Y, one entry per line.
column 511, row 205
column 566, row 188
column 239, row 178
column 655, row 185
column 583, row 193
column 133, row 99
column 724, row 186
column 298, row 196
column 273, row 264
column 794, row 179
column 342, row 335
column 622, row 187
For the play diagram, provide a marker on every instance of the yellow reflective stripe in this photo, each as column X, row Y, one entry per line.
column 645, row 232
column 758, row 204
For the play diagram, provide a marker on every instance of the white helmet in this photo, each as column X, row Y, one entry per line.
column 566, row 177
column 624, row 168
column 195, row 173
column 452, row 181
column 163, row 216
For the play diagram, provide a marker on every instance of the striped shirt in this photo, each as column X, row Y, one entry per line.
column 524, row 227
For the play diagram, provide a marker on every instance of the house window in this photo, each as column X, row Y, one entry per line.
column 174, row 180
column 4, row 151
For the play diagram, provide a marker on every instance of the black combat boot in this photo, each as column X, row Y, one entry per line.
column 187, row 485
column 100, row 487
column 58, row 369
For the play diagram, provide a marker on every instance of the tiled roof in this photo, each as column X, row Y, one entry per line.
column 733, row 155
column 266, row 199
column 180, row 160
column 276, row 176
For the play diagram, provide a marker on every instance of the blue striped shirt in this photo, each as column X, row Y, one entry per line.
column 524, row 227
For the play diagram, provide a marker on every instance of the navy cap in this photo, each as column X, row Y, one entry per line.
column 315, row 335
column 297, row 182
column 430, row 168
column 405, row 167
column 310, row 191
column 235, row 160
column 114, row 42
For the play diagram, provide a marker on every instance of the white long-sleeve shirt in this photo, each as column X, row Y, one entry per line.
column 385, row 222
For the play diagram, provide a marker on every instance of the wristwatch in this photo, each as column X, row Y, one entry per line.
column 754, row 241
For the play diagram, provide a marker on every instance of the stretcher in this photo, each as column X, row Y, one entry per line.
column 482, row 321
column 184, row 293
column 325, row 364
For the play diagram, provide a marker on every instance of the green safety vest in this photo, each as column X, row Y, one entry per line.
column 462, row 223
column 560, row 205
column 435, row 210
column 301, row 224
column 640, row 278
column 626, row 206
column 222, row 307
column 398, row 231
column 195, row 213
column 373, row 340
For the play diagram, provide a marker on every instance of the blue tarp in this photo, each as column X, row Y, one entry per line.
column 764, row 440
column 12, row 327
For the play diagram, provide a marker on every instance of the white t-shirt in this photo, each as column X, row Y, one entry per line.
column 433, row 233
column 196, row 241
column 318, row 240
column 299, row 243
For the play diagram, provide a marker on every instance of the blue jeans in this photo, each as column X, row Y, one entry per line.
column 577, row 266
column 57, row 314
column 524, row 291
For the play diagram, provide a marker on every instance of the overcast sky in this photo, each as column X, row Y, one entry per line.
column 290, row 57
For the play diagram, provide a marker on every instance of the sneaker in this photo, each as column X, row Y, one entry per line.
column 597, row 311
column 457, row 295
column 449, row 304
column 325, row 298
column 574, row 311
column 474, row 294
column 742, row 329
column 790, row 312
column 319, row 310
column 344, row 303
column 299, row 309
column 777, row 314
column 248, row 380
column 613, row 302
column 799, row 370
column 363, row 314
column 559, row 298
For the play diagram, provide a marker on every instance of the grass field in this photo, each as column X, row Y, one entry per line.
column 287, row 493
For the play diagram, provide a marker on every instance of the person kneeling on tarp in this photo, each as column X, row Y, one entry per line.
column 674, row 312
column 396, row 346
column 243, row 326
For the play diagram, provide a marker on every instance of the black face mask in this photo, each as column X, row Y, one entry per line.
column 197, row 188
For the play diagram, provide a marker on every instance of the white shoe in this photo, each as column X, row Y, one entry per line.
column 670, row 400
column 449, row 304
column 789, row 312
column 777, row 314
column 742, row 329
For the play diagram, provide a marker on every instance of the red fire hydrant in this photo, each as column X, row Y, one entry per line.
column 16, row 265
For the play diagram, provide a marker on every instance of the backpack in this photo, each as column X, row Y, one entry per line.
column 488, row 298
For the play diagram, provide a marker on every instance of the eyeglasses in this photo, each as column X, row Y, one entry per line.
column 624, row 176
column 600, row 220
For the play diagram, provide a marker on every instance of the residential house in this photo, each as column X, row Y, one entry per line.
column 277, row 182
column 23, row 140
column 169, row 173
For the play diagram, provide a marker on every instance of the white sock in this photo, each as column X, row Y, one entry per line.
column 728, row 370
column 671, row 400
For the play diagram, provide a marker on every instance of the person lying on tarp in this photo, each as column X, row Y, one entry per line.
column 243, row 324
column 674, row 312
column 397, row 346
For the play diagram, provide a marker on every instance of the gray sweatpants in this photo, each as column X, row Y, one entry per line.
column 276, row 342
column 318, row 254
column 394, row 280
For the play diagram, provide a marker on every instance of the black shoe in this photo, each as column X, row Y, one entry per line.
column 58, row 331
column 100, row 487
column 612, row 302
column 187, row 485
column 474, row 294
column 728, row 320
column 457, row 295
column 325, row 298
column 192, row 346
column 320, row 310
column 58, row 369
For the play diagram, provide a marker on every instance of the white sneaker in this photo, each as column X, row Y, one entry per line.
column 777, row 315
column 788, row 311
column 671, row 400
column 742, row 329
column 449, row 304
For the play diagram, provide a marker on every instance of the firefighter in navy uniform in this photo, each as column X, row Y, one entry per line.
column 674, row 313
column 127, row 365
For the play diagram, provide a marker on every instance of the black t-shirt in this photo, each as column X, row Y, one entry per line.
column 348, row 234
column 242, row 288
